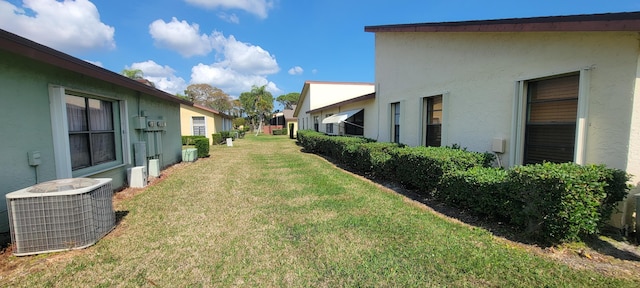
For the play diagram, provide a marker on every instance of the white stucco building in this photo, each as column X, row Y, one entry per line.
column 338, row 108
column 548, row 88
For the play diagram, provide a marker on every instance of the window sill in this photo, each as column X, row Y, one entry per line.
column 101, row 171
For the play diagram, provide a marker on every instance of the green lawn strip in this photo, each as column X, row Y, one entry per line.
column 262, row 213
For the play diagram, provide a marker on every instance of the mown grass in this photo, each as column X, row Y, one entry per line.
column 262, row 213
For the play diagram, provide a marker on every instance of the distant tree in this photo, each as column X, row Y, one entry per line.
column 257, row 103
column 182, row 96
column 288, row 100
column 135, row 74
column 138, row 75
column 236, row 108
column 237, row 122
column 206, row 95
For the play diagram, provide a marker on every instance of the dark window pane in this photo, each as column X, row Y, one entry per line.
column 553, row 143
column 79, row 148
column 354, row 124
column 434, row 133
column 103, row 147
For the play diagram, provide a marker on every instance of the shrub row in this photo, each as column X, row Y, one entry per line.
column 190, row 140
column 221, row 138
column 551, row 203
column 282, row 131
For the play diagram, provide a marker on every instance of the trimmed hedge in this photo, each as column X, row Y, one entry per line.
column 202, row 144
column 371, row 157
column 481, row 189
column 566, row 201
column 423, row 168
column 190, row 140
column 282, row 131
column 551, row 203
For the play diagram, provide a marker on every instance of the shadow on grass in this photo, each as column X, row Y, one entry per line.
column 120, row 216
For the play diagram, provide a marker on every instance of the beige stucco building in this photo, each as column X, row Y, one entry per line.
column 338, row 108
column 549, row 88
column 201, row 120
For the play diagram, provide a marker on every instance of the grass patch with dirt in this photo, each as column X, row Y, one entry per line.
column 261, row 213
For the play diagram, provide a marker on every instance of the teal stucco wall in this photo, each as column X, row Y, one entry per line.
column 26, row 123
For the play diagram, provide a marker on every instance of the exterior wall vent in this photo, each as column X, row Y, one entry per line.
column 60, row 215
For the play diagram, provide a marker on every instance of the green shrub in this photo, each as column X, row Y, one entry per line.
column 217, row 138
column 202, row 144
column 480, row 189
column 308, row 139
column 422, row 168
column 282, row 131
column 562, row 202
column 371, row 157
column 190, row 140
column 225, row 135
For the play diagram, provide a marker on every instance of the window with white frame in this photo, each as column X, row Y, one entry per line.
column 87, row 132
column 395, row 122
column 432, row 119
column 329, row 126
column 552, row 106
column 198, row 126
column 551, row 123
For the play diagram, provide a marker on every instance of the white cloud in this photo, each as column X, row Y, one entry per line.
column 297, row 70
column 231, row 18
column 239, row 66
column 163, row 77
column 259, row 8
column 230, row 81
column 69, row 26
column 180, row 36
column 244, row 57
column 314, row 71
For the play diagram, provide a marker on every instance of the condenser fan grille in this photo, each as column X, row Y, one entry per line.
column 56, row 221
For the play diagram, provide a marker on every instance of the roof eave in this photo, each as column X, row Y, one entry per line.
column 628, row 21
column 345, row 102
column 32, row 50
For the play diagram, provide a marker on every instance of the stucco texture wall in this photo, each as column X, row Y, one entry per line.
column 478, row 73
column 323, row 94
column 27, row 122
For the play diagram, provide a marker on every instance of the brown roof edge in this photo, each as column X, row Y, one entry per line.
column 307, row 83
column 625, row 21
column 214, row 111
column 30, row 49
column 345, row 102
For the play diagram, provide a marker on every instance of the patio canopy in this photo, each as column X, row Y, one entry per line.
column 340, row 117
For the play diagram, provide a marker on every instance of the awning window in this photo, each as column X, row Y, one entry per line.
column 340, row 117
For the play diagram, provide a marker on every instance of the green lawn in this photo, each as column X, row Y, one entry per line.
column 264, row 214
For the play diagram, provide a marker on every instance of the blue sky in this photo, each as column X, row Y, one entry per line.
column 234, row 44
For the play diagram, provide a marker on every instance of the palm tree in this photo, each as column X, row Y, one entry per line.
column 133, row 73
column 257, row 104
